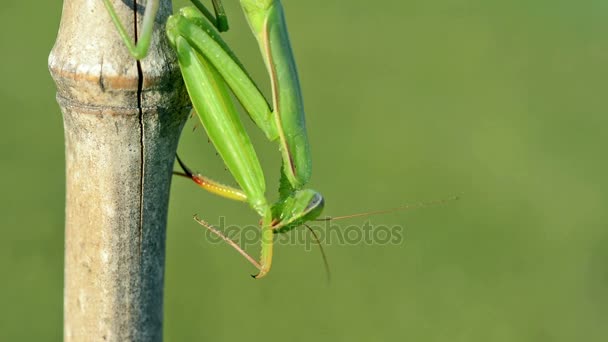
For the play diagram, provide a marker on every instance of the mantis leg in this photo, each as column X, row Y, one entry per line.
column 267, row 241
column 139, row 49
column 229, row 241
column 224, row 128
column 220, row 19
column 266, row 254
column 193, row 27
column 210, row 185
column 267, row 22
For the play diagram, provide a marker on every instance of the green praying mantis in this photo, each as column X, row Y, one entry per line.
column 209, row 69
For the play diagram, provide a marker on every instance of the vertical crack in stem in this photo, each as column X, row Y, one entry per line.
column 140, row 82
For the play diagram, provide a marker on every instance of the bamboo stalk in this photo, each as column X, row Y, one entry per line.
column 122, row 121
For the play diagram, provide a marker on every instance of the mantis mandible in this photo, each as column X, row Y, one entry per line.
column 209, row 69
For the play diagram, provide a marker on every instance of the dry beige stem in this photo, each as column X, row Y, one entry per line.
column 122, row 121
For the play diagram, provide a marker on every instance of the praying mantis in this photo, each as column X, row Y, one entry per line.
column 209, row 70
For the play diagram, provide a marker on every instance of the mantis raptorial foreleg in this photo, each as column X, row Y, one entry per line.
column 203, row 38
column 267, row 22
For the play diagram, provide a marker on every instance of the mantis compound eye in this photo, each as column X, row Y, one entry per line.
column 315, row 206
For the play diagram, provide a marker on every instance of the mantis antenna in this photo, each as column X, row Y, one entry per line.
column 391, row 210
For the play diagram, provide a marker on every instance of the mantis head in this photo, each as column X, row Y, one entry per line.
column 300, row 207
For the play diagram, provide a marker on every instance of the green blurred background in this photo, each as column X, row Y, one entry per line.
column 407, row 101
